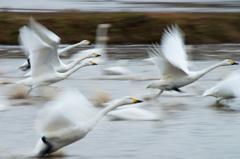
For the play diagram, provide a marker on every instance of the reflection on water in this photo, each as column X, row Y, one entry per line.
column 190, row 127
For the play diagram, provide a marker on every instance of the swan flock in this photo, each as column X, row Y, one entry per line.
column 71, row 116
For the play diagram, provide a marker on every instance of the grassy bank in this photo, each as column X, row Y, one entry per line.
column 127, row 28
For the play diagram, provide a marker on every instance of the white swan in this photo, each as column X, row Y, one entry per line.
column 69, row 120
column 171, row 60
column 227, row 89
column 52, row 40
column 43, row 72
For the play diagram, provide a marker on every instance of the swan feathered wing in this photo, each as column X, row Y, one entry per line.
column 173, row 48
column 46, row 35
column 39, row 52
column 170, row 57
column 69, row 108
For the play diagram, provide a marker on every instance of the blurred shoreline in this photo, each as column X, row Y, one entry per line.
column 127, row 28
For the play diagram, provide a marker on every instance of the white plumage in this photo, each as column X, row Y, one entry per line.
column 226, row 89
column 68, row 119
column 171, row 60
column 43, row 73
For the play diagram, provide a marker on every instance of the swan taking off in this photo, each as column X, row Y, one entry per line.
column 43, row 72
column 171, row 60
column 52, row 40
column 227, row 89
column 68, row 119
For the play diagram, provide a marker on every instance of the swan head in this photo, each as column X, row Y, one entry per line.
column 228, row 62
column 86, row 42
column 88, row 63
column 129, row 100
column 95, row 55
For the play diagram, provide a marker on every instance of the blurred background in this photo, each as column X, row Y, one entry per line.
column 189, row 126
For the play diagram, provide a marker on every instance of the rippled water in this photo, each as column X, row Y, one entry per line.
column 191, row 127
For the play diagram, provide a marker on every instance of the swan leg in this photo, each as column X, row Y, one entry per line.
column 178, row 90
column 159, row 93
column 47, row 149
column 30, row 90
column 217, row 102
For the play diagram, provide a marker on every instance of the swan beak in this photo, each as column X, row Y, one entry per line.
column 97, row 55
column 93, row 63
column 136, row 101
column 234, row 63
column 89, row 43
column 139, row 101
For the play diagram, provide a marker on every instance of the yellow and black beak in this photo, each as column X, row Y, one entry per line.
column 89, row 43
column 136, row 101
column 234, row 63
column 97, row 55
column 93, row 63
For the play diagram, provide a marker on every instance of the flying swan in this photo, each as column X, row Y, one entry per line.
column 53, row 40
column 43, row 73
column 171, row 60
column 68, row 120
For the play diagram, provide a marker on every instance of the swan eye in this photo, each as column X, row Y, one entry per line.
column 134, row 100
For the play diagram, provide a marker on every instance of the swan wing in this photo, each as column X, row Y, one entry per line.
column 163, row 65
column 66, row 110
column 39, row 52
column 173, row 47
column 46, row 35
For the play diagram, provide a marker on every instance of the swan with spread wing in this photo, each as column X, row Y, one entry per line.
column 171, row 60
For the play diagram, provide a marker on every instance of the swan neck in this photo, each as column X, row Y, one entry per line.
column 208, row 69
column 61, row 51
column 69, row 72
column 74, row 63
column 92, row 122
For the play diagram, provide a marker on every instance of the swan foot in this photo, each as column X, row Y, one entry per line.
column 178, row 90
column 47, row 149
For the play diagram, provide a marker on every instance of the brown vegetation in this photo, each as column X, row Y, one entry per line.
column 127, row 28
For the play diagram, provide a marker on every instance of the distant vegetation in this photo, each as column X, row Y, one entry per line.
column 127, row 28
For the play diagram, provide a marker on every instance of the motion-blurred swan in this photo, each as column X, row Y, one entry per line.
column 171, row 60
column 43, row 72
column 227, row 89
column 68, row 120
column 53, row 40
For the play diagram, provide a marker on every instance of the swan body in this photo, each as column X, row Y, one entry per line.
column 171, row 60
column 69, row 120
column 227, row 89
column 43, row 72
column 132, row 114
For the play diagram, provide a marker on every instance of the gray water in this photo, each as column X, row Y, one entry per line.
column 191, row 127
